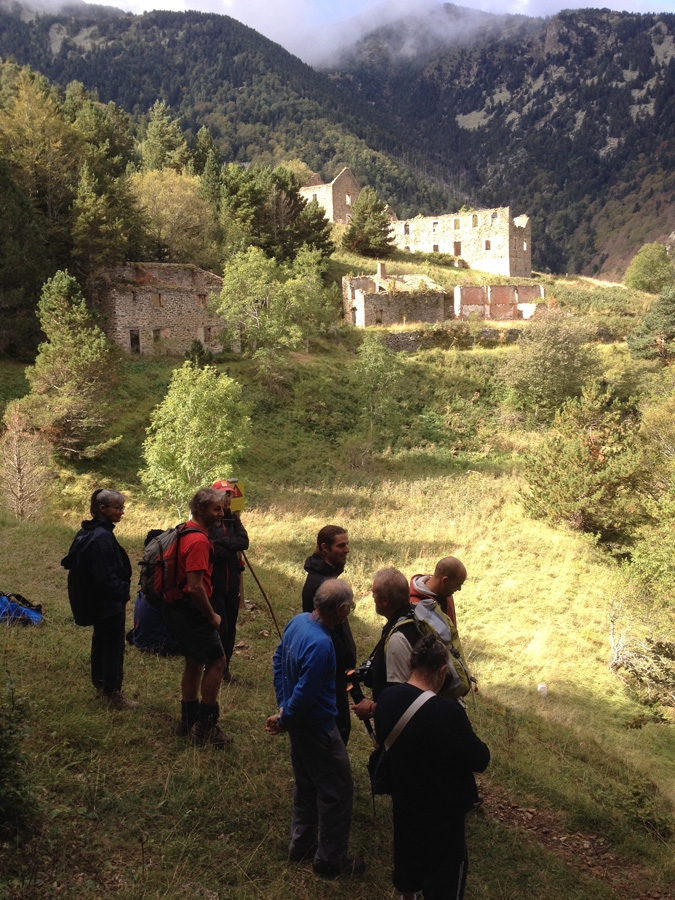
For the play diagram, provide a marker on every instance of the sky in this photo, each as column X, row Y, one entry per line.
column 301, row 26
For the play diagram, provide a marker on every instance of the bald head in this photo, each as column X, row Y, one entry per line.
column 448, row 578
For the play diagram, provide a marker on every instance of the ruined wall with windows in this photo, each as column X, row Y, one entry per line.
column 337, row 198
column 487, row 239
column 497, row 301
column 159, row 307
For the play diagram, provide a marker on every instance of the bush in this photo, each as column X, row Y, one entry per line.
column 651, row 269
column 551, row 363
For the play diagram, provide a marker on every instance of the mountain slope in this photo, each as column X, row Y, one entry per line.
column 569, row 118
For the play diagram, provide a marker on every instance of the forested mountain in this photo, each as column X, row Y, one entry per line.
column 260, row 103
column 569, row 119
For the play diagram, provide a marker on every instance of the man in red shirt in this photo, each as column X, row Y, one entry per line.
column 195, row 625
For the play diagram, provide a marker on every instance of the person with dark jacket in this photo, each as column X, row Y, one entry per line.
column 99, row 578
column 229, row 538
column 432, row 760
column 328, row 561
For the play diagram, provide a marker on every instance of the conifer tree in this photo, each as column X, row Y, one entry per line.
column 655, row 338
column 369, row 231
column 165, row 146
column 74, row 373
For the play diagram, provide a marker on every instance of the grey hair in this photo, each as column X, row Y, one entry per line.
column 104, row 497
column 202, row 499
column 394, row 584
column 332, row 595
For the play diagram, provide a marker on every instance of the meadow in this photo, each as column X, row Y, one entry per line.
column 580, row 794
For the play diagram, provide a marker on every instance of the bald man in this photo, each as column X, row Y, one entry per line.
column 448, row 578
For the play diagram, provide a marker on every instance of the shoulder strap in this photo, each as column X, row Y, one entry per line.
column 406, row 717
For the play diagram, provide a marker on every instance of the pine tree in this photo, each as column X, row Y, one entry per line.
column 203, row 148
column 165, row 146
column 655, row 338
column 369, row 231
column 74, row 372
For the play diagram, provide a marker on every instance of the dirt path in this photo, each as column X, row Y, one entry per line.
column 588, row 852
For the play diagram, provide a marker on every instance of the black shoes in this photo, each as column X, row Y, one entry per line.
column 349, row 866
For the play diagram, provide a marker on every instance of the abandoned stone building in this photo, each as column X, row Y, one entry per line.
column 159, row 307
column 497, row 301
column 383, row 299
column 487, row 239
column 337, row 198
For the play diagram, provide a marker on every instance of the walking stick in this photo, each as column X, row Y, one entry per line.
column 269, row 605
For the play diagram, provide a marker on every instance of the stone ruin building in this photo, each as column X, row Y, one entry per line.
column 491, row 240
column 337, row 198
column 159, row 307
column 383, row 299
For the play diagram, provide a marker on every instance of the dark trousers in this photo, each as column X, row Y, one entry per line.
column 231, row 615
column 322, row 793
column 429, row 855
column 107, row 653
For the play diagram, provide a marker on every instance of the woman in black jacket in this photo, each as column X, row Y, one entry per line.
column 432, row 756
column 99, row 579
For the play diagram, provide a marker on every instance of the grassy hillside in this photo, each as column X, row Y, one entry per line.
column 127, row 810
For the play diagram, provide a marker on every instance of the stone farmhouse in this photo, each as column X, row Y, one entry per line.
column 383, row 299
column 487, row 239
column 159, row 307
column 336, row 198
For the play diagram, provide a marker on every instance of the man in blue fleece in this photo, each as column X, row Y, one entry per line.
column 304, row 681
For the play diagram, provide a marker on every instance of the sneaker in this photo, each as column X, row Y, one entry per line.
column 214, row 735
column 118, row 700
column 298, row 856
column 349, row 866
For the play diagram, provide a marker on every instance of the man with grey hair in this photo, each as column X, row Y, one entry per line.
column 304, row 681
column 391, row 656
column 194, row 624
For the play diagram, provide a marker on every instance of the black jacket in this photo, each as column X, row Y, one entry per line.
column 99, row 573
column 228, row 539
column 318, row 571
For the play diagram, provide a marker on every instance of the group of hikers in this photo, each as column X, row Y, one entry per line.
column 427, row 750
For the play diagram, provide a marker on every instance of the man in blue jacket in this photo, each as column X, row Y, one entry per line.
column 304, row 681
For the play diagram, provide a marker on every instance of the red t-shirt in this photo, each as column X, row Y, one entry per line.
column 195, row 554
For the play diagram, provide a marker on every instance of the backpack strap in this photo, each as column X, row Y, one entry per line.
column 406, row 717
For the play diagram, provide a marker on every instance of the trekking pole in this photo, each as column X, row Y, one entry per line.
column 269, row 605
column 354, row 689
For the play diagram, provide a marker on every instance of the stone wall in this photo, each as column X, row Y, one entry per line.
column 337, row 198
column 487, row 239
column 159, row 307
column 392, row 308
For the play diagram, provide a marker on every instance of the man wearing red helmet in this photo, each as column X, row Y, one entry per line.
column 229, row 538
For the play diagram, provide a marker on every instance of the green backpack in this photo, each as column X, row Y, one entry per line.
column 428, row 619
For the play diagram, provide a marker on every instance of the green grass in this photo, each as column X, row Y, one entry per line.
column 129, row 811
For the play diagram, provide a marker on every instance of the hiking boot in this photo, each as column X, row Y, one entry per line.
column 118, row 700
column 349, row 866
column 214, row 735
column 189, row 713
column 297, row 856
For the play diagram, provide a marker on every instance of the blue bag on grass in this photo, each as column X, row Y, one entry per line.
column 16, row 610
